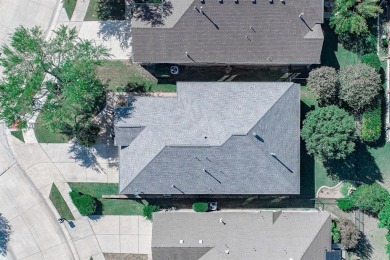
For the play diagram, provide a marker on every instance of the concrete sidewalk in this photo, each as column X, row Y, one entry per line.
column 36, row 233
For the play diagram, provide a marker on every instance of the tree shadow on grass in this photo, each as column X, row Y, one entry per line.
column 360, row 166
column 364, row 248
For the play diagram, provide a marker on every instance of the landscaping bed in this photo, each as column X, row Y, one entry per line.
column 18, row 134
column 69, row 6
column 109, row 206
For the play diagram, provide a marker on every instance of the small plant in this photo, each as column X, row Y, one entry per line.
column 345, row 204
column 335, row 232
column 85, row 203
column 385, row 43
column 148, row 211
column 346, row 189
column 200, row 206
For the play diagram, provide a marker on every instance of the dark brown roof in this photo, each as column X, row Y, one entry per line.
column 229, row 33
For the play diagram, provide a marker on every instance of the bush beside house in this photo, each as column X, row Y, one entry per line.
column 372, row 124
column 200, row 206
column 86, row 204
column 148, row 211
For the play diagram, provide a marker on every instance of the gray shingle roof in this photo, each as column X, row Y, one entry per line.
column 225, row 35
column 294, row 235
column 172, row 155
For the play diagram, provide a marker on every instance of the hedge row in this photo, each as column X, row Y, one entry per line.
column 372, row 124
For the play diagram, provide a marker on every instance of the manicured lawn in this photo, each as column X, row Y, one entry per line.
column 44, row 135
column 109, row 206
column 69, row 6
column 59, row 203
column 18, row 134
column 122, row 76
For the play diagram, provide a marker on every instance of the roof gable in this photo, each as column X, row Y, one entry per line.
column 203, row 141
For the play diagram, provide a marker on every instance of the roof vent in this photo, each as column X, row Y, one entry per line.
column 283, row 2
column 271, row 1
column 301, row 15
column 253, row 1
column 236, row 1
column 181, row 241
column 273, row 154
column 221, row 220
column 202, row 1
column 201, row 10
column 221, row 1
column 200, row 241
column 227, row 251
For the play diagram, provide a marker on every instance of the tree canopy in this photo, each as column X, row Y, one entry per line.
column 384, row 215
column 370, row 197
column 350, row 16
column 329, row 133
column 55, row 76
column 349, row 233
column 359, row 85
column 323, row 82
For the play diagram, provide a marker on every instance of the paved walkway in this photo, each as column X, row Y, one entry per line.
column 36, row 233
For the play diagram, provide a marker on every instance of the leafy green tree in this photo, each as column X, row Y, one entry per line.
column 148, row 211
column 60, row 70
column 384, row 215
column 323, row 82
column 359, row 85
column 345, row 204
column 349, row 233
column 350, row 16
column 370, row 197
column 329, row 133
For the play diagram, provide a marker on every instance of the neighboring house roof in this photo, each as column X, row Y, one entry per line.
column 213, row 138
column 273, row 235
column 229, row 33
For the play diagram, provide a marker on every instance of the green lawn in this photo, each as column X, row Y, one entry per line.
column 18, row 134
column 59, row 203
column 111, row 10
column 44, row 135
column 69, row 6
column 109, row 206
column 124, row 76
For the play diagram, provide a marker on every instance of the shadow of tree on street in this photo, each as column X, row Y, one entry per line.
column 5, row 233
column 363, row 249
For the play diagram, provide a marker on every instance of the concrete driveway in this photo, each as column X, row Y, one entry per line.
column 36, row 233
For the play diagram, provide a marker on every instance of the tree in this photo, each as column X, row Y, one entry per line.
column 359, row 85
column 371, row 198
column 349, row 233
column 323, row 82
column 350, row 16
column 85, row 203
column 384, row 215
column 60, row 70
column 200, row 206
column 329, row 133
column 5, row 233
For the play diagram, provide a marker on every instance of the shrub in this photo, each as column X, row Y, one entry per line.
column 200, row 206
column 87, row 134
column 148, row 211
column 329, row 133
column 349, row 233
column 372, row 60
column 345, row 188
column 323, row 82
column 370, row 198
column 385, row 43
column 85, row 203
column 345, row 204
column 372, row 124
column 335, row 232
column 384, row 215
